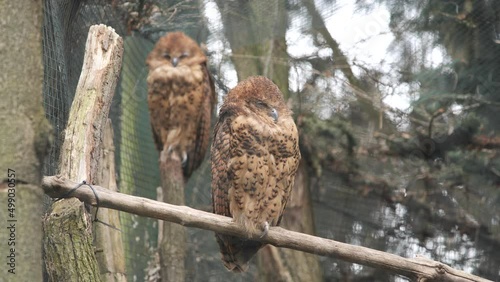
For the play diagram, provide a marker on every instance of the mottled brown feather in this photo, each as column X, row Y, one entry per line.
column 181, row 99
column 254, row 160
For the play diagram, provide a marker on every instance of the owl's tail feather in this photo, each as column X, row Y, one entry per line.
column 237, row 252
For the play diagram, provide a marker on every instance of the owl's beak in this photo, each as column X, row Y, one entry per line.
column 274, row 114
column 175, row 61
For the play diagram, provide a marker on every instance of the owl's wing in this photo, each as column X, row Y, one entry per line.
column 220, row 158
column 211, row 87
column 289, row 169
column 236, row 252
column 202, row 137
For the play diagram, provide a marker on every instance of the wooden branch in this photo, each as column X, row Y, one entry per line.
column 486, row 142
column 80, row 156
column 319, row 25
column 420, row 268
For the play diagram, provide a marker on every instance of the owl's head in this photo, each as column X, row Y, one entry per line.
column 175, row 49
column 260, row 95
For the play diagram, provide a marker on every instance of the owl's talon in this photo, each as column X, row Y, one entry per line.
column 169, row 149
column 266, row 229
column 184, row 159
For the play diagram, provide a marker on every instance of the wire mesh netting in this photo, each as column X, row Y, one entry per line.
column 397, row 104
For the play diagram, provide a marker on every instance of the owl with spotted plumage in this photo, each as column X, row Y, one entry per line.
column 181, row 99
column 255, row 155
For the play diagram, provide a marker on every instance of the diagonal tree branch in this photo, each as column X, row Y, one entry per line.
column 418, row 269
column 319, row 26
column 365, row 91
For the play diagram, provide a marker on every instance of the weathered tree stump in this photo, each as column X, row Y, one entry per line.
column 74, row 259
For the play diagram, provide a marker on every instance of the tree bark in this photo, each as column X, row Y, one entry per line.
column 69, row 253
column 108, row 241
column 172, row 247
column 24, row 140
column 80, row 159
column 418, row 269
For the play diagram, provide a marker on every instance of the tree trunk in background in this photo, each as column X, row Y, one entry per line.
column 24, row 139
column 256, row 31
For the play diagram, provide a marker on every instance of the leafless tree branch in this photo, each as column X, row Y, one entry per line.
column 418, row 269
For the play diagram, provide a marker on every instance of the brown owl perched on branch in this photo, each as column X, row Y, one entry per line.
column 255, row 154
column 181, row 99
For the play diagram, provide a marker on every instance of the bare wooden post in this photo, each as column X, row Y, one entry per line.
column 69, row 255
column 172, row 243
column 109, row 246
